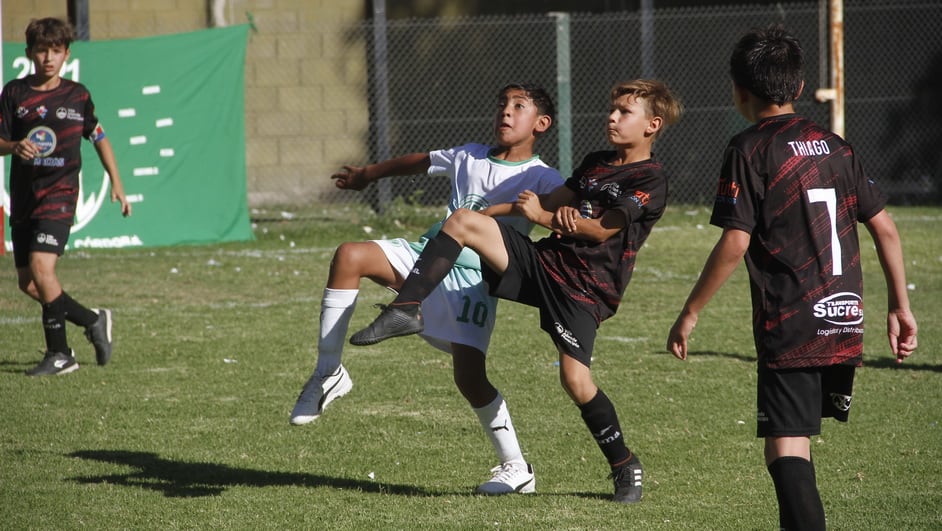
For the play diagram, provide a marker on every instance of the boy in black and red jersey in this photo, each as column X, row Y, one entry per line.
column 43, row 118
column 600, row 218
column 789, row 199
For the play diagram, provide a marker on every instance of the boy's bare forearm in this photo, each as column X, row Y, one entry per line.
column 722, row 262
column 890, row 253
column 107, row 158
column 411, row 164
column 500, row 210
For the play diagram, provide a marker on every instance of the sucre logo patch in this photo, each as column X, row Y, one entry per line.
column 841, row 309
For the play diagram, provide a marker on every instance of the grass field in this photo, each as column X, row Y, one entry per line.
column 187, row 428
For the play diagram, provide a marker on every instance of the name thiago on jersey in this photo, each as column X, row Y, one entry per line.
column 809, row 148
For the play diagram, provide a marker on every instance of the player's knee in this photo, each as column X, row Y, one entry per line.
column 458, row 223
column 348, row 257
column 578, row 386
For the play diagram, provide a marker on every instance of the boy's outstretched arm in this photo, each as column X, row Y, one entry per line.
column 723, row 260
column 358, row 177
column 107, row 158
column 900, row 322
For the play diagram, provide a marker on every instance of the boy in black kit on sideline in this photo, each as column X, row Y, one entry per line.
column 789, row 199
column 600, row 218
column 42, row 121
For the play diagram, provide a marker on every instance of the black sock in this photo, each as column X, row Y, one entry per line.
column 76, row 313
column 54, row 326
column 600, row 417
column 430, row 269
column 799, row 504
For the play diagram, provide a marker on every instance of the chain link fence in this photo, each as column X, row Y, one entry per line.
column 432, row 83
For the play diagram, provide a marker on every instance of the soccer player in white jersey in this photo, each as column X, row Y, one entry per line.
column 460, row 313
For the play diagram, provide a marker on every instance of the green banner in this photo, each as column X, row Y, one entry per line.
column 174, row 110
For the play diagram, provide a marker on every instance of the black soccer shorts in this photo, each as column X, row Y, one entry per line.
column 38, row 235
column 571, row 327
column 792, row 402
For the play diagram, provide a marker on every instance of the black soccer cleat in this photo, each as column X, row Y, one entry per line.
column 55, row 363
column 628, row 481
column 99, row 335
column 394, row 321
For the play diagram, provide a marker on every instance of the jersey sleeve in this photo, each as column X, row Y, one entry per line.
column 92, row 128
column 735, row 204
column 548, row 180
column 871, row 199
column 6, row 114
column 443, row 160
column 645, row 195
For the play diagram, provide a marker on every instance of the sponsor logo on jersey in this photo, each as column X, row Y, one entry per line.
column 842, row 309
column 641, row 198
column 67, row 113
column 42, row 111
column 474, row 202
column 612, row 190
column 727, row 192
column 49, row 162
column 21, row 112
column 44, row 138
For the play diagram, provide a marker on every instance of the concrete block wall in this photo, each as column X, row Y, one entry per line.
column 306, row 112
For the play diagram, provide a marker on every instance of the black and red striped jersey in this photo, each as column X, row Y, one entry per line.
column 800, row 191
column 595, row 274
column 56, row 120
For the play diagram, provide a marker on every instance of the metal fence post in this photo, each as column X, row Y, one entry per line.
column 647, row 38
column 563, row 93
column 383, row 191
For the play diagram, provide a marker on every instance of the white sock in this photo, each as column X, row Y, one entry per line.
column 495, row 419
column 336, row 310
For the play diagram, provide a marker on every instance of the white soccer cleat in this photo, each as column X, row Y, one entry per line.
column 317, row 393
column 509, row 478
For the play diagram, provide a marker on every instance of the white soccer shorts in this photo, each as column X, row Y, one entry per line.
column 459, row 310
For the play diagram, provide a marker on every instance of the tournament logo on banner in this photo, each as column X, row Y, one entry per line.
column 173, row 108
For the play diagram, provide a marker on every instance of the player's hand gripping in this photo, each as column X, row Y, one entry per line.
column 528, row 204
column 564, row 219
column 351, row 178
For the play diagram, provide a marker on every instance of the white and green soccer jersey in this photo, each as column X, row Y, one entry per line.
column 478, row 181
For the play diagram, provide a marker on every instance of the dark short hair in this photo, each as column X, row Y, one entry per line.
column 537, row 94
column 49, row 31
column 768, row 63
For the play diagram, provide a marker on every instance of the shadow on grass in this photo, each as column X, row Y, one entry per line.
column 16, row 367
column 715, row 354
column 192, row 480
column 869, row 363
column 890, row 363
